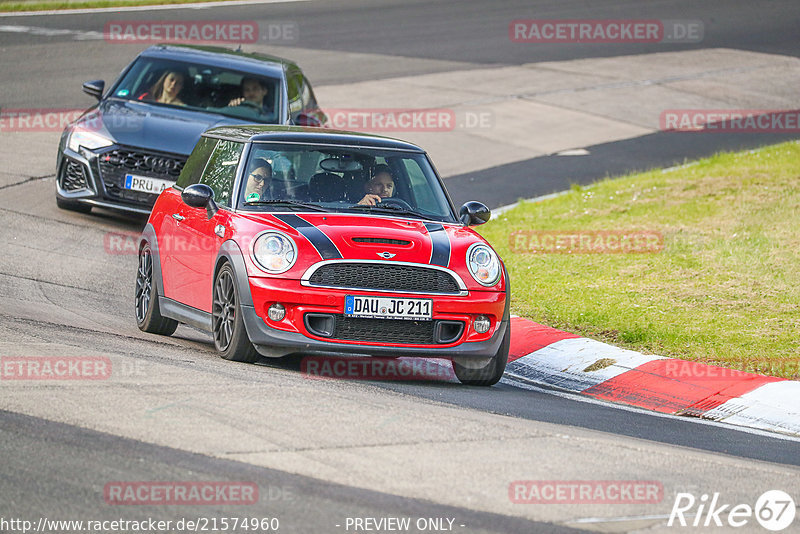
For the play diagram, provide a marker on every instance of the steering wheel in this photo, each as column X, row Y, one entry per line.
column 249, row 104
column 394, row 202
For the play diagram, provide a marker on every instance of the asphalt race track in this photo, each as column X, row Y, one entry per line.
column 323, row 451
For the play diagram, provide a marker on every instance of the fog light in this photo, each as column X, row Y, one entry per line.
column 482, row 324
column 276, row 312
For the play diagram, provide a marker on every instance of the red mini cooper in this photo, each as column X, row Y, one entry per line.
column 285, row 240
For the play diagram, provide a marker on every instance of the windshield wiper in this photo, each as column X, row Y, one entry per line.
column 394, row 210
column 292, row 203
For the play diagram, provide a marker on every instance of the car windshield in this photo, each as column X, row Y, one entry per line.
column 201, row 87
column 355, row 180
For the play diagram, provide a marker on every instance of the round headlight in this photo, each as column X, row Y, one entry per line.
column 483, row 265
column 274, row 252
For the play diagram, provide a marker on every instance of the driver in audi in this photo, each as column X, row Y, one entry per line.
column 253, row 93
column 379, row 187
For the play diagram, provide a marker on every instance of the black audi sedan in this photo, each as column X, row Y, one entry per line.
column 123, row 151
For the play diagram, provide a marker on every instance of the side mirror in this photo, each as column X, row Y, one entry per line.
column 200, row 196
column 473, row 213
column 94, row 88
column 304, row 119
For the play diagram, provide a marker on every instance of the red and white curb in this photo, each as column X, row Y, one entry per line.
column 544, row 355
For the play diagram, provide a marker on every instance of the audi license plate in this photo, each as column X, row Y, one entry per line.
column 388, row 308
column 145, row 184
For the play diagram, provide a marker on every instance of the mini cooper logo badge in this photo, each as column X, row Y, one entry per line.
column 386, row 255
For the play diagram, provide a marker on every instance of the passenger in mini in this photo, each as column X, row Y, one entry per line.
column 167, row 89
column 379, row 187
column 258, row 181
column 253, row 93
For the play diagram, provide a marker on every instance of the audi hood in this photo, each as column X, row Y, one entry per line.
column 150, row 126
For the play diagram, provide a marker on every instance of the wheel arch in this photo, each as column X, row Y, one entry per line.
column 229, row 252
column 149, row 237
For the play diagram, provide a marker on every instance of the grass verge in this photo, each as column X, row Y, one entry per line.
column 36, row 5
column 725, row 288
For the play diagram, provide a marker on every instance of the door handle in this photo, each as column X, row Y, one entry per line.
column 178, row 217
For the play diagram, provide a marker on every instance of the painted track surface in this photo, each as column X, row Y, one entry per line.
column 547, row 356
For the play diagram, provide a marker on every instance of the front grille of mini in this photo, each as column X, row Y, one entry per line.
column 385, row 277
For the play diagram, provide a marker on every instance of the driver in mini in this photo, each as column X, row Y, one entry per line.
column 258, row 181
column 379, row 187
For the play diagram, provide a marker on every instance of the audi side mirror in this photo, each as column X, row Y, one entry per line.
column 304, row 119
column 94, row 88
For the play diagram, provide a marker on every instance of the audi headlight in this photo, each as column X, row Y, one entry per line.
column 274, row 252
column 82, row 138
column 483, row 265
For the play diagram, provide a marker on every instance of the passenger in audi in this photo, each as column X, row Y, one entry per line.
column 167, row 89
column 380, row 186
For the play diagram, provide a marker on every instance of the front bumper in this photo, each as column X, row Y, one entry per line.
column 293, row 334
column 84, row 178
column 274, row 343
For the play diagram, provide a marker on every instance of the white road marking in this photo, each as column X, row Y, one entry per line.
column 564, row 362
column 574, row 152
column 585, row 520
column 79, row 35
column 770, row 406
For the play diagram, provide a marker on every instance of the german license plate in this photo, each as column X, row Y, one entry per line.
column 388, row 308
column 145, row 184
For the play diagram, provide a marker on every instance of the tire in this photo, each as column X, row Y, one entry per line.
column 148, row 314
column 71, row 205
column 230, row 336
column 492, row 372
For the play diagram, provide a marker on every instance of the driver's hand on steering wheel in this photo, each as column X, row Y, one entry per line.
column 236, row 101
column 370, row 200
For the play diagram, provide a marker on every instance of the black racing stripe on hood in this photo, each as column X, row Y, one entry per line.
column 315, row 236
column 440, row 244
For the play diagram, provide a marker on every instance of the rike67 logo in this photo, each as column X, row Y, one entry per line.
column 774, row 510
